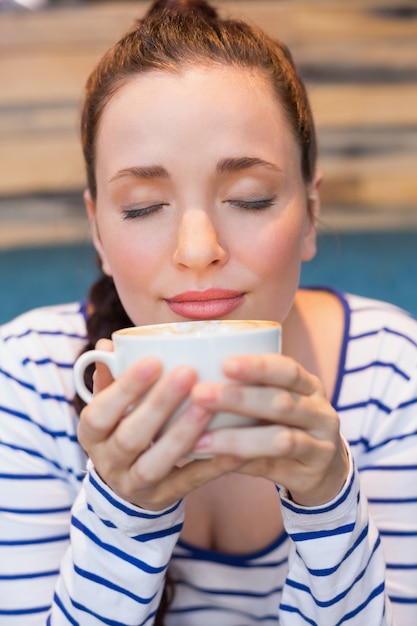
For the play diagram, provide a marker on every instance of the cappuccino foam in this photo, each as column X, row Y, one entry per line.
column 205, row 328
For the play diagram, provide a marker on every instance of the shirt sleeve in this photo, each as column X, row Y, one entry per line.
column 117, row 559
column 70, row 551
column 336, row 567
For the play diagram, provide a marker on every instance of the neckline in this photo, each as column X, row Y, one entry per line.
column 207, row 554
column 343, row 299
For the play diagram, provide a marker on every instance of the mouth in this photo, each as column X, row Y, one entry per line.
column 207, row 304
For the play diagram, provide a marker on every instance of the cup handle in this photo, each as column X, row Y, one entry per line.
column 83, row 361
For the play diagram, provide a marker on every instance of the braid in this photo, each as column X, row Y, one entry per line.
column 107, row 315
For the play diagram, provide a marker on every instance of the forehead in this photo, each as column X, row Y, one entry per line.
column 212, row 86
column 218, row 108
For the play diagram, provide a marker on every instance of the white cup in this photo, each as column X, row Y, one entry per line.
column 203, row 345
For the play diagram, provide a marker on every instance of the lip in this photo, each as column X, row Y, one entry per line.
column 207, row 304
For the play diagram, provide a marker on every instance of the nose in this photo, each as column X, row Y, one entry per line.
column 198, row 246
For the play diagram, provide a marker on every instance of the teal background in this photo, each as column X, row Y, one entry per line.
column 380, row 265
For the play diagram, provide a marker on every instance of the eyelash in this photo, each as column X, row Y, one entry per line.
column 253, row 205
column 131, row 213
column 248, row 205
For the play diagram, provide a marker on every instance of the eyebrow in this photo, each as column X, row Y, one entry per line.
column 147, row 172
column 244, row 163
column 150, row 172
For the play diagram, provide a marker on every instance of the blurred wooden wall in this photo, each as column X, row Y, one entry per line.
column 358, row 58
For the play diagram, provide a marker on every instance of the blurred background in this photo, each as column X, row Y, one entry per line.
column 359, row 61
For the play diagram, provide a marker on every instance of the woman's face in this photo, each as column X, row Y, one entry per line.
column 201, row 211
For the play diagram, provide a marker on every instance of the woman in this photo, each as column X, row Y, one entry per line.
column 203, row 197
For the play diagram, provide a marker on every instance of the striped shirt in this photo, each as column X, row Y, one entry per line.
column 72, row 552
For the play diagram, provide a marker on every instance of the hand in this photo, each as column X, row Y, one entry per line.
column 119, row 431
column 298, row 446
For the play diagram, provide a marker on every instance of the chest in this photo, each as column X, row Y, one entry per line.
column 234, row 514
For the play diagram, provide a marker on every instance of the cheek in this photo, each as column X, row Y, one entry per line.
column 130, row 257
column 275, row 250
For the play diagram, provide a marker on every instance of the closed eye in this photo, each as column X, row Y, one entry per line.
column 132, row 212
column 253, row 205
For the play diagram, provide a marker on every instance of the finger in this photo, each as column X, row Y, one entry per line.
column 310, row 484
column 180, row 481
column 99, row 418
column 272, row 369
column 173, row 445
column 313, row 413
column 258, row 442
column 143, row 424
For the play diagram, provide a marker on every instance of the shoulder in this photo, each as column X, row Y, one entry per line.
column 60, row 317
column 37, row 353
column 38, row 349
column 379, row 362
column 60, row 329
column 381, row 328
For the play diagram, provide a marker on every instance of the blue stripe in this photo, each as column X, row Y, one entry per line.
column 400, row 600
column 362, row 405
column 157, row 534
column 60, row 605
column 318, row 534
column 226, row 559
column 404, row 405
column 47, row 361
column 37, row 455
column 46, row 333
column 345, row 618
column 100, row 618
column 345, row 343
column 402, row 566
column 132, row 512
column 28, row 477
column 392, row 366
column 52, row 433
column 325, row 509
column 392, row 500
column 398, row 533
column 335, row 599
column 330, row 570
column 387, row 330
column 31, row 611
column 365, row 442
column 44, row 395
column 29, row 576
column 34, row 542
column 234, row 560
column 388, row 468
column 124, row 556
column 293, row 609
column 99, row 580
column 375, row 593
column 63, row 509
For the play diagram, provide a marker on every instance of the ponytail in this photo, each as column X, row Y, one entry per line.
column 105, row 315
